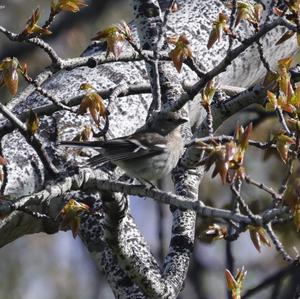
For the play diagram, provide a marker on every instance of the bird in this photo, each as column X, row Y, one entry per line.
column 148, row 154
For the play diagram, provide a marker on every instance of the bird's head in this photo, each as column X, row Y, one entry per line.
column 166, row 122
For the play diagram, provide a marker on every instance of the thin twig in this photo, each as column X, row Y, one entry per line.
column 122, row 88
column 278, row 245
column 31, row 140
column 282, row 121
column 225, row 138
column 231, row 56
column 35, row 41
column 262, row 56
column 284, row 183
column 142, row 53
column 46, row 94
column 210, row 121
column 50, row 19
column 231, row 23
column 236, row 189
column 49, row 109
column 263, row 187
column 190, row 62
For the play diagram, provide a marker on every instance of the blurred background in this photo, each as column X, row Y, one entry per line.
column 57, row 266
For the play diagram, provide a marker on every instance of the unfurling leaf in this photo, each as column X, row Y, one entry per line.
column 125, row 30
column 92, row 102
column 24, row 69
column 284, row 79
column 2, row 161
column 69, row 215
column 283, row 143
column 174, row 7
column 181, row 52
column 86, row 86
column 258, row 8
column 283, row 150
column 292, row 14
column 115, row 36
column 221, row 168
column 280, row 102
column 272, row 104
column 293, row 6
column 219, row 26
column 258, row 237
column 243, row 138
column 67, row 5
column 32, row 123
column 229, row 158
column 32, row 26
column 277, row 12
column 235, row 284
column 216, row 156
column 208, row 93
column 270, row 80
column 248, row 12
column 285, row 63
column 287, row 98
column 9, row 75
column 216, row 232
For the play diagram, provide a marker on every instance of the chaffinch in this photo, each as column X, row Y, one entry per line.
column 148, row 154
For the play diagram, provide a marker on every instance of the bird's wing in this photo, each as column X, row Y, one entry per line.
column 134, row 146
column 131, row 147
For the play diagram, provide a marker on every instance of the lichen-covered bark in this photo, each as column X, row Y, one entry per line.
column 25, row 174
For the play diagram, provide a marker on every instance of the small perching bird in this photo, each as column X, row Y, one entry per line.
column 148, row 154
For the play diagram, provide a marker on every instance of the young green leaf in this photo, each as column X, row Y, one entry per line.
column 114, row 36
column 67, row 5
column 69, row 215
column 32, row 26
column 235, row 283
column 219, row 26
column 258, row 237
column 9, row 75
column 32, row 123
column 181, row 52
column 92, row 102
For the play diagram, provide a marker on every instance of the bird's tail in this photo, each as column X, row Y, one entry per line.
column 93, row 144
column 94, row 161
